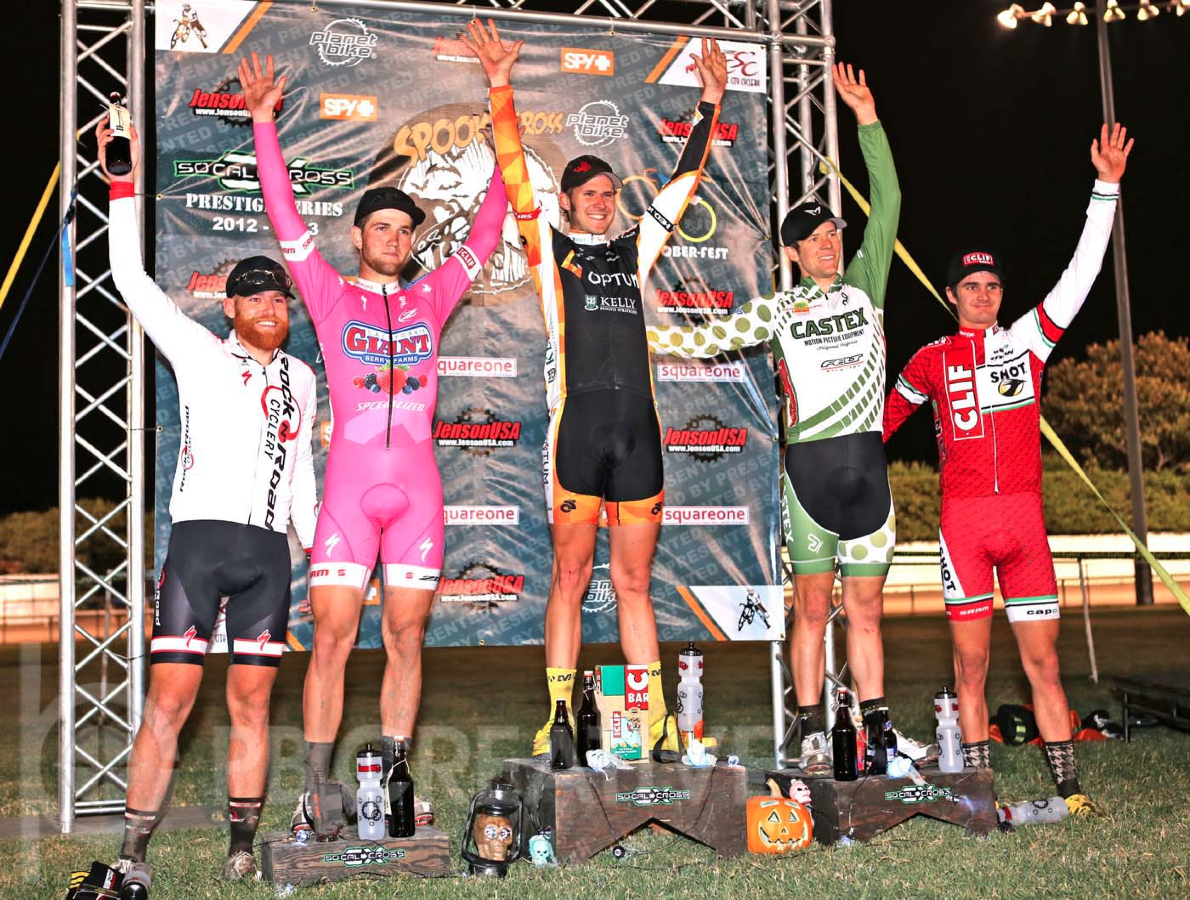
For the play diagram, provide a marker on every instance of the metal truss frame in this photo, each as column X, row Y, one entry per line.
column 104, row 45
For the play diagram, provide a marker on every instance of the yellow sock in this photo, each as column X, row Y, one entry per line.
column 561, row 685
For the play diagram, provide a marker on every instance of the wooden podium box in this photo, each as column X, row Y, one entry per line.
column 863, row 808
column 285, row 861
column 588, row 812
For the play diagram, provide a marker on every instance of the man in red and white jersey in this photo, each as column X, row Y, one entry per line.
column 245, row 469
column 984, row 383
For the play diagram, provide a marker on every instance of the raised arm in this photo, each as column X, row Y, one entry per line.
column 316, row 279
column 465, row 264
column 1043, row 325
column 659, row 221
column 176, row 335
column 752, row 324
column 870, row 267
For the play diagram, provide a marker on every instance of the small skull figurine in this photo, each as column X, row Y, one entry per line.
column 541, row 851
column 493, row 836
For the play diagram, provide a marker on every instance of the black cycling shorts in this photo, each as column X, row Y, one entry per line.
column 836, row 504
column 604, row 447
column 207, row 561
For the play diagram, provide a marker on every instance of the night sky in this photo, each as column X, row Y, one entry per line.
column 990, row 130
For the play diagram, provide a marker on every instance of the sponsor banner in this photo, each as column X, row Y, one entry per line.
column 753, row 612
column 381, row 96
column 747, row 66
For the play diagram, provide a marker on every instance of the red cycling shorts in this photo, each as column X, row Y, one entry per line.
column 1005, row 533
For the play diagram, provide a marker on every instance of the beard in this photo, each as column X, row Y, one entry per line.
column 386, row 267
column 250, row 332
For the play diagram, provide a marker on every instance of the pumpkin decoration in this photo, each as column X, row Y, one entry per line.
column 778, row 824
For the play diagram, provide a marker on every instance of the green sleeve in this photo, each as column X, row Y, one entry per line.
column 870, row 267
column 751, row 325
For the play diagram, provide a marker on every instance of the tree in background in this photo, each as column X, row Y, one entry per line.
column 1084, row 401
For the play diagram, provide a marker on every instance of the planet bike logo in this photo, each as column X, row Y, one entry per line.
column 705, row 438
column 482, row 585
column 707, row 303
column 579, row 61
column 237, row 171
column 958, row 365
column 344, row 43
column 600, row 596
column 652, row 796
column 919, row 793
column 677, row 131
column 735, row 372
column 209, row 287
column 347, row 107
column 225, row 103
column 478, row 430
column 356, row 857
column 371, row 345
column 598, row 124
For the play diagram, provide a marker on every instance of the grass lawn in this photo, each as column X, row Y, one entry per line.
column 482, row 705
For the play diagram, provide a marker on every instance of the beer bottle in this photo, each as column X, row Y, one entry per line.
column 400, row 794
column 589, row 725
column 843, row 747
column 119, row 151
column 561, row 739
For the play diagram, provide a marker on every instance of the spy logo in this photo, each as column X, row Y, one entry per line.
column 425, row 547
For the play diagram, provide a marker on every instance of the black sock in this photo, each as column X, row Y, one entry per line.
column 138, row 828
column 873, row 711
column 812, row 719
column 1061, row 759
column 244, row 815
column 977, row 755
column 318, row 762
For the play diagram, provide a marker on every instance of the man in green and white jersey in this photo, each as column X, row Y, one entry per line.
column 827, row 339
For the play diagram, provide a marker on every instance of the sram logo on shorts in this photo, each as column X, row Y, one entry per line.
column 371, row 345
column 347, row 108
column 961, row 399
column 578, row 61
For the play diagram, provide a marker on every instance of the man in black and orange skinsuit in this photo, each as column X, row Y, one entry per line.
column 603, row 445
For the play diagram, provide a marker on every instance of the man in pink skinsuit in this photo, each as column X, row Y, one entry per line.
column 383, row 493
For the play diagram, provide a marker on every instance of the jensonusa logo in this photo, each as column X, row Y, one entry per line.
column 676, row 131
column 705, row 438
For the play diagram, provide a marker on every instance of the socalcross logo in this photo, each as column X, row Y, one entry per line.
column 237, row 171
column 652, row 796
column 371, row 344
column 961, row 400
column 354, row 857
column 344, row 42
column 919, row 793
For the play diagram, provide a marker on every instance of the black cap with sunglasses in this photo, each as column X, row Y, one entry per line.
column 256, row 274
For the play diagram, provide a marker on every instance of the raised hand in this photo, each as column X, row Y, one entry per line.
column 103, row 137
column 855, row 93
column 495, row 58
column 262, row 91
column 1109, row 154
column 712, row 70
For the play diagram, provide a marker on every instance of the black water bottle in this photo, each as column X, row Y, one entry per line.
column 119, row 151
column 400, row 794
column 843, row 747
column 561, row 739
column 589, row 725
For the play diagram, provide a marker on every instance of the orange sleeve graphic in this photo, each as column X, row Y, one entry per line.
column 511, row 156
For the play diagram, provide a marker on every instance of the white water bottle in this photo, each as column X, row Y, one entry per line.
column 1034, row 812
column 950, row 749
column 690, row 722
column 369, row 799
